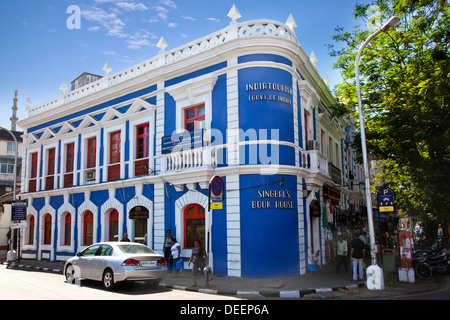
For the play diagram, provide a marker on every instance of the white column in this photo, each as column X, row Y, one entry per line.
column 233, row 226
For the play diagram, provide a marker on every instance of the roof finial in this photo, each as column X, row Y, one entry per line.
column 107, row 68
column 291, row 22
column 325, row 78
column 234, row 14
column 63, row 87
column 162, row 44
column 313, row 58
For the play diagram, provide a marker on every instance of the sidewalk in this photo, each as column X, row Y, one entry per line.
column 323, row 284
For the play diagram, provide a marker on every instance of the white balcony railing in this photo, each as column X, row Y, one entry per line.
column 188, row 159
column 315, row 161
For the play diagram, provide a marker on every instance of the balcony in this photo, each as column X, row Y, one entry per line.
column 141, row 167
column 114, row 172
column 189, row 160
column 335, row 173
column 49, row 183
column 68, row 180
column 32, row 185
column 315, row 161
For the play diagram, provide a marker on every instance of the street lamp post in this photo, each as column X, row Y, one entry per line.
column 390, row 24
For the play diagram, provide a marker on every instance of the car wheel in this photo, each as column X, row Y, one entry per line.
column 70, row 274
column 108, row 279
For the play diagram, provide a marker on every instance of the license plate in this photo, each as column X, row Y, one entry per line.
column 148, row 263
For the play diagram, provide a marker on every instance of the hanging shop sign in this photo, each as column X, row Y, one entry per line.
column 138, row 212
column 331, row 193
column 385, row 200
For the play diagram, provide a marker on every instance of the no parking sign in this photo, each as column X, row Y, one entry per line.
column 216, row 191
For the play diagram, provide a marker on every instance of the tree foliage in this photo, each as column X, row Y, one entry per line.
column 405, row 77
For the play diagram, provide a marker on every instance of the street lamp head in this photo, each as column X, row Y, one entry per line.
column 393, row 21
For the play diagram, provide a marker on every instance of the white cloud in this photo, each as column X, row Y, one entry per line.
column 169, row 3
column 172, row 25
column 188, row 18
column 140, row 39
column 131, row 6
column 108, row 20
column 213, row 19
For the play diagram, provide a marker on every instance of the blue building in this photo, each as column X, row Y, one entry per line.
column 134, row 152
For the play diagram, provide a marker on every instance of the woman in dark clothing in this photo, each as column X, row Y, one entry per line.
column 199, row 258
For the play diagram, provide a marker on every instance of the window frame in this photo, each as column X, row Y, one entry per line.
column 91, row 164
column 85, row 221
column 47, row 234
column 115, row 142
column 146, row 137
column 31, row 230
column 196, row 119
column 67, row 227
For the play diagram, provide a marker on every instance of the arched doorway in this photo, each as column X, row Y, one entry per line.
column 194, row 225
column 113, row 225
column 314, row 210
column 139, row 215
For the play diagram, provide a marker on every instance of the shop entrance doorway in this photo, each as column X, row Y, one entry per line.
column 314, row 211
column 139, row 216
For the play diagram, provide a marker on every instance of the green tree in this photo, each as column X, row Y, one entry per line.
column 405, row 77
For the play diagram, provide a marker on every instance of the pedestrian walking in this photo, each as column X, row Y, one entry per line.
column 168, row 243
column 199, row 258
column 341, row 254
column 357, row 253
column 175, row 254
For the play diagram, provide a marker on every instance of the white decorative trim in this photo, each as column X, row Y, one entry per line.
column 85, row 206
column 46, row 247
column 111, row 203
column 233, row 226
column 141, row 200
column 66, row 207
column 193, row 92
column 190, row 197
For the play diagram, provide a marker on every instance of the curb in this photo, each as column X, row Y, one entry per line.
column 32, row 268
column 291, row 294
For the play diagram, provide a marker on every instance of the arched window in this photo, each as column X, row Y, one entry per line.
column 88, row 224
column 67, row 229
column 31, row 226
column 48, row 229
column 114, row 225
column 194, row 225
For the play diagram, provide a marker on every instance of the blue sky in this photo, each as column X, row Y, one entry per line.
column 39, row 51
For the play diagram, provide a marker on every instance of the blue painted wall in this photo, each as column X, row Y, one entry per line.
column 269, row 237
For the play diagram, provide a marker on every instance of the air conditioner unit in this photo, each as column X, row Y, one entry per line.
column 90, row 175
column 313, row 145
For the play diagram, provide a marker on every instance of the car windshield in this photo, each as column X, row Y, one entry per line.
column 135, row 249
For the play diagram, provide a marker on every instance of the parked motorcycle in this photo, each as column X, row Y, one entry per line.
column 426, row 262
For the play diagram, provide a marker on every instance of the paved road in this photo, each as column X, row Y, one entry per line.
column 29, row 285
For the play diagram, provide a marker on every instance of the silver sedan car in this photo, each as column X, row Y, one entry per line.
column 113, row 262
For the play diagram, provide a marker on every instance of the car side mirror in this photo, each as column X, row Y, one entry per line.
column 78, row 254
